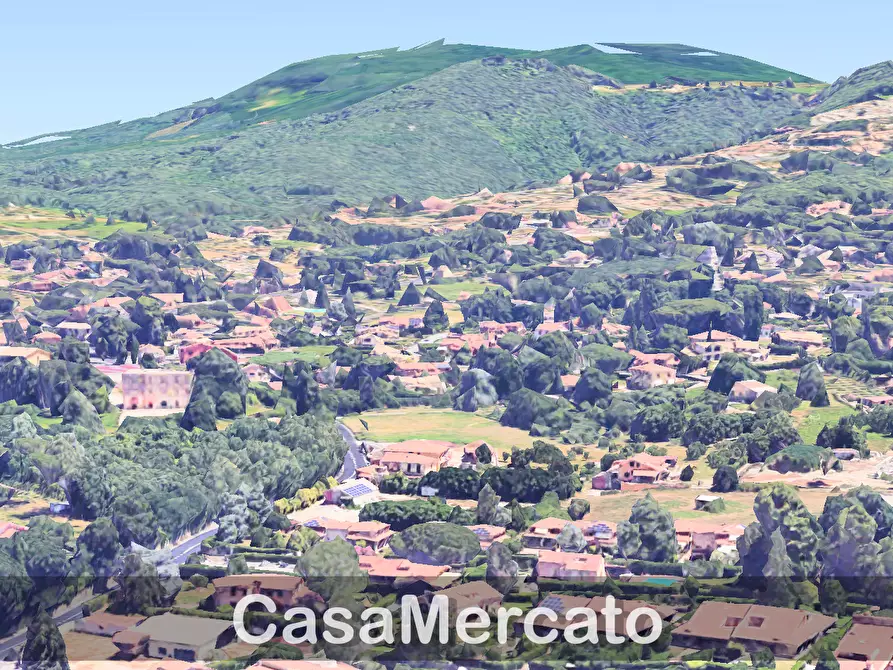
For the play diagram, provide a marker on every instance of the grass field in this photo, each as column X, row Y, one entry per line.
column 52, row 220
column 681, row 504
column 451, row 291
column 312, row 354
column 810, row 420
column 436, row 424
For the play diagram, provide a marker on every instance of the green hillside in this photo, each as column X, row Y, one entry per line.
column 481, row 123
column 331, row 83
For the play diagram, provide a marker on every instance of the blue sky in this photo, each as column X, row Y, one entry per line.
column 71, row 64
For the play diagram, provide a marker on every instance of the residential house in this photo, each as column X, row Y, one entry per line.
column 31, row 354
column 46, row 337
column 8, row 529
column 75, row 329
column 476, row 593
column 367, row 340
column 749, row 390
column 190, row 351
column 874, row 400
column 152, row 350
column 751, row 351
column 543, row 534
column 570, row 566
column 372, row 534
column 488, row 534
column 666, row 359
column 502, row 328
column 156, row 389
column 283, row 589
column 470, row 453
column 413, row 369
column 869, row 639
column 799, row 338
column 389, row 570
column 274, row 305
column 256, row 373
column 246, row 345
column 411, row 465
column 413, row 458
column 473, row 341
column 106, row 624
column 786, row 632
column 190, row 321
column 185, row 638
column 551, row 327
column 711, row 345
column 401, row 321
column 723, row 534
column 168, row 300
column 642, row 377
column 638, row 469
column 704, row 501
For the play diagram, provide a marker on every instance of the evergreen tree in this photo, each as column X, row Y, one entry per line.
column 751, row 264
column 140, row 587
column 411, row 296
column 322, row 298
column 347, row 303
column 134, row 350
column 502, row 569
column 810, row 382
column 44, row 647
column 435, row 318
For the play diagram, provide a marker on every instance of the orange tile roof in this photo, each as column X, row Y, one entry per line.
column 594, row 563
column 400, row 568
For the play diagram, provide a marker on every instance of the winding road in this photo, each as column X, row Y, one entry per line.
column 180, row 553
column 353, row 459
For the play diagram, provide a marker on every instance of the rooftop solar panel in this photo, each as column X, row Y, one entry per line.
column 553, row 603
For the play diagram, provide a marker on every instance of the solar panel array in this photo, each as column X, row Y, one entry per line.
column 358, row 489
column 553, row 603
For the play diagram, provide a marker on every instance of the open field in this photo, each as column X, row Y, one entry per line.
column 316, row 354
column 616, row 507
column 37, row 222
column 809, row 421
column 26, row 505
column 436, row 424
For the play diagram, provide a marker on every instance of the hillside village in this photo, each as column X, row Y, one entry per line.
column 668, row 382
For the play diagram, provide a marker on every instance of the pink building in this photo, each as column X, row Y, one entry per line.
column 156, row 389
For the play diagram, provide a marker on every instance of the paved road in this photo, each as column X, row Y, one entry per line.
column 180, row 553
column 354, row 458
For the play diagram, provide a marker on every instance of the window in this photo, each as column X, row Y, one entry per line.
column 184, row 654
column 162, row 651
column 755, row 621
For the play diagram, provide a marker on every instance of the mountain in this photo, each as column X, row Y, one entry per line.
column 331, row 83
column 867, row 83
column 323, row 130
